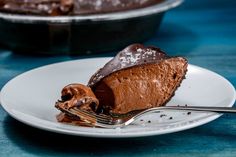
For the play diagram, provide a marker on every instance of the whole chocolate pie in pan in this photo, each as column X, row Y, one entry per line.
column 72, row 7
column 77, row 27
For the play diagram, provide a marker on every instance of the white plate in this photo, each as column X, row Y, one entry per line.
column 30, row 98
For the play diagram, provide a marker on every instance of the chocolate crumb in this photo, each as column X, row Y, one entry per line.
column 141, row 120
column 162, row 115
column 188, row 113
column 149, row 121
column 171, row 118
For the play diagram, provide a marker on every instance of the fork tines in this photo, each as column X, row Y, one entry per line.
column 99, row 118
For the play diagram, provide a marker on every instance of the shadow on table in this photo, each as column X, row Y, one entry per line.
column 173, row 38
column 209, row 138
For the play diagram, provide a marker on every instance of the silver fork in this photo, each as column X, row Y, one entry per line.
column 106, row 121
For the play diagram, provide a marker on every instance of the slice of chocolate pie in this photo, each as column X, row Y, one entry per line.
column 137, row 78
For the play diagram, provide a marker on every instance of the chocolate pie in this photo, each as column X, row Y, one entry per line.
column 136, row 78
column 71, row 7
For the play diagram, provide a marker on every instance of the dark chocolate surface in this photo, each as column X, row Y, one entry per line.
column 135, row 54
column 71, row 7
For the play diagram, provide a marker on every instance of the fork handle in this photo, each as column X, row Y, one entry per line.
column 197, row 108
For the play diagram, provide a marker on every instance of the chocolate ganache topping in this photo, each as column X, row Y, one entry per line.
column 133, row 55
column 72, row 7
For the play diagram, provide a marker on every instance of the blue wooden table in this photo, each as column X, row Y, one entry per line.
column 202, row 31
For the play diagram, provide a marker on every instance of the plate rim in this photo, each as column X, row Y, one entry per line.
column 63, row 130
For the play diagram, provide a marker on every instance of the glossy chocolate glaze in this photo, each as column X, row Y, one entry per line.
column 133, row 55
column 72, row 7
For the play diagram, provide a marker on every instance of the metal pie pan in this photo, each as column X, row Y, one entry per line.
column 81, row 34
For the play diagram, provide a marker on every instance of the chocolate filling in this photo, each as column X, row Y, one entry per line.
column 79, row 96
column 133, row 55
